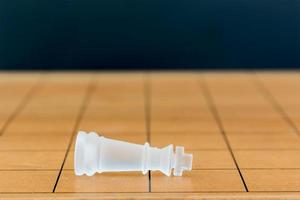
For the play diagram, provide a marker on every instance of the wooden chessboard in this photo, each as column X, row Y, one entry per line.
column 242, row 128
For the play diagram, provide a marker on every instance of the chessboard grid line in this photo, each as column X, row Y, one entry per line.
column 147, row 100
column 209, row 99
column 23, row 103
column 274, row 102
column 82, row 109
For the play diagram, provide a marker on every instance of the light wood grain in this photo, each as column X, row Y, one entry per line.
column 27, row 181
column 189, row 140
column 106, row 182
column 199, row 180
column 14, row 88
column 271, row 159
column 33, row 142
column 284, row 93
column 31, row 160
column 212, row 159
column 35, row 126
column 272, row 180
column 229, row 121
column 264, row 141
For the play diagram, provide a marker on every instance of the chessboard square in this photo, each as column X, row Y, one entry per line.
column 114, row 99
column 269, row 124
column 264, row 141
column 63, row 100
column 114, row 112
column 104, row 182
column 174, row 101
column 198, row 181
column 272, row 180
column 238, row 98
column 44, row 133
column 31, row 160
column 249, row 111
column 175, row 125
column 212, row 159
column 268, row 159
column 31, row 142
column 181, row 112
column 114, row 126
column 176, row 118
column 189, row 141
column 41, row 125
column 27, row 181
column 48, row 112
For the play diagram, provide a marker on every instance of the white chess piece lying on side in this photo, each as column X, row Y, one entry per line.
column 94, row 153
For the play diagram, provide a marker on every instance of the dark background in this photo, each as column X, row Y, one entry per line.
column 149, row 34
